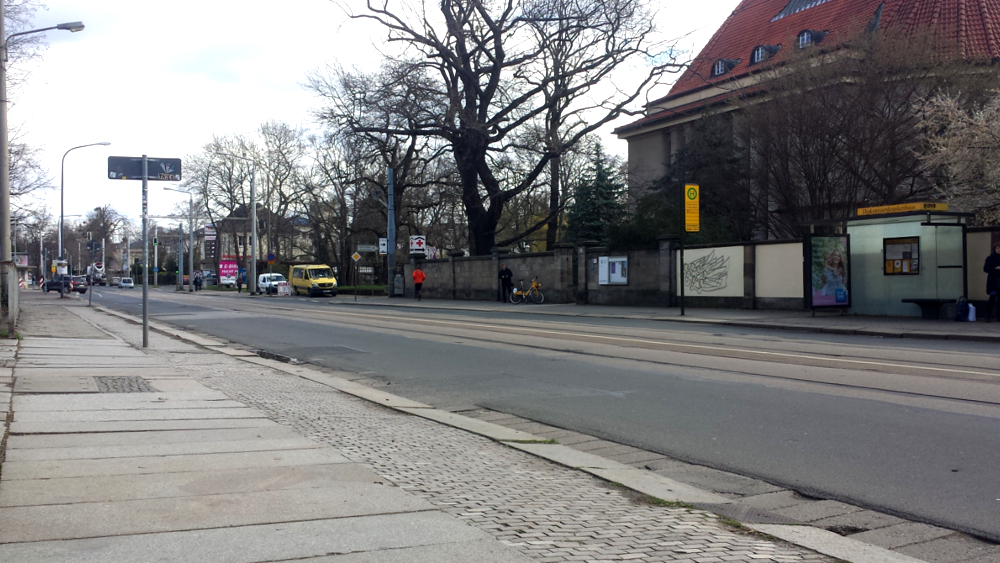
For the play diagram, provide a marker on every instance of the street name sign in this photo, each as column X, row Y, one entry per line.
column 130, row 168
column 367, row 248
column 901, row 208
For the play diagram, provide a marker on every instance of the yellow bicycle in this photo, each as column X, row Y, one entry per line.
column 534, row 292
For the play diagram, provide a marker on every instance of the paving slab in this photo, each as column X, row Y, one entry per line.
column 955, row 548
column 34, row 492
column 488, row 429
column 42, row 371
column 29, row 342
column 148, row 450
column 56, row 385
column 135, row 425
column 89, row 520
column 149, row 437
column 88, row 352
column 250, row 544
column 480, row 552
column 811, row 511
column 135, row 415
column 907, row 533
column 120, row 401
column 832, row 544
column 177, row 385
column 168, row 464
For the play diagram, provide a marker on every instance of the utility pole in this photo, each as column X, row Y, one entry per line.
column 390, row 234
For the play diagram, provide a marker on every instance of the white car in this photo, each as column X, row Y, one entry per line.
column 268, row 283
column 126, row 282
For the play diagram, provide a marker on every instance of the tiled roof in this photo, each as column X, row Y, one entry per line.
column 974, row 26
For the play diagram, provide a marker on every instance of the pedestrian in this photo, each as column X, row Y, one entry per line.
column 418, row 281
column 506, row 282
column 992, row 269
column 239, row 282
column 197, row 282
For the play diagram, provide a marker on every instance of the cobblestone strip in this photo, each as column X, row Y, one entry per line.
column 550, row 513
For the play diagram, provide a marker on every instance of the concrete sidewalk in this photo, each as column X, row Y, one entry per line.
column 102, row 464
column 186, row 452
column 828, row 322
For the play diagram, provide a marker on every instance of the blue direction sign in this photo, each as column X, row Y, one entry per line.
column 130, row 168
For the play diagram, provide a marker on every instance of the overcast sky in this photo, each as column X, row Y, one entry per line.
column 160, row 78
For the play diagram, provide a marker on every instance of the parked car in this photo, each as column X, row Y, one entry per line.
column 268, row 283
column 126, row 283
column 80, row 284
column 313, row 279
column 58, row 283
column 114, row 282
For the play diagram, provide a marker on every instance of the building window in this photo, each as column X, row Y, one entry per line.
column 805, row 39
column 722, row 66
column 762, row 53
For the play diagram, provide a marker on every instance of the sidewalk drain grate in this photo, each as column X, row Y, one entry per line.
column 129, row 384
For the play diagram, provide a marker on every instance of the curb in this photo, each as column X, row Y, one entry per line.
column 882, row 333
column 638, row 480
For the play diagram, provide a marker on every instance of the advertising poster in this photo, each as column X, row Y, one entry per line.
column 227, row 269
column 830, row 271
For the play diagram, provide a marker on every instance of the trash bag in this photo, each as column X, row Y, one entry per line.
column 962, row 310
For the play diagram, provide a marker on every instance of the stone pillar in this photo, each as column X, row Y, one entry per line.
column 583, row 269
column 668, row 267
column 750, row 276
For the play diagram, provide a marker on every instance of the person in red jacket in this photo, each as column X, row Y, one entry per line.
column 418, row 281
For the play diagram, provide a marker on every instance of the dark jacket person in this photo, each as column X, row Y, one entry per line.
column 506, row 283
column 992, row 269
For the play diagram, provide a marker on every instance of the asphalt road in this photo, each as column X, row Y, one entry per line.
column 909, row 427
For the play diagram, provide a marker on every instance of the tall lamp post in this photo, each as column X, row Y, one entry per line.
column 190, row 237
column 252, row 278
column 5, row 256
column 62, row 188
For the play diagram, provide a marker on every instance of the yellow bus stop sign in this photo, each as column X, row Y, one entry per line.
column 692, row 208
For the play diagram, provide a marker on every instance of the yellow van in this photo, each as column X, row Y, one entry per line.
column 313, row 279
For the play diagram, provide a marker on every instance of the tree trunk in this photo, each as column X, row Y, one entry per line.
column 552, row 226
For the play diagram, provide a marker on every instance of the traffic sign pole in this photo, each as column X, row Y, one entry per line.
column 145, row 252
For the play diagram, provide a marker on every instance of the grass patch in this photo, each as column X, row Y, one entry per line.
column 643, row 498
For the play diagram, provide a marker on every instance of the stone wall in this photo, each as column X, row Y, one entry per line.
column 475, row 278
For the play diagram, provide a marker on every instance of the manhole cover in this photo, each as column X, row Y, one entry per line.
column 127, row 384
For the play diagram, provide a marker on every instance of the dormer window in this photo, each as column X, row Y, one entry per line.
column 810, row 37
column 762, row 53
column 722, row 66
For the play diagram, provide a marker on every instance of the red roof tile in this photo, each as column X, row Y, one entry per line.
column 973, row 24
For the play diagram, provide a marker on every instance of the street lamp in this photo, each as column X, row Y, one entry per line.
column 62, row 191
column 190, row 237
column 5, row 256
column 252, row 281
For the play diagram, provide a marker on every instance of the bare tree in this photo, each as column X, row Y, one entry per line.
column 490, row 81
column 828, row 132
column 965, row 149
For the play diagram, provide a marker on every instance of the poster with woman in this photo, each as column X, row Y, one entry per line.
column 829, row 272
